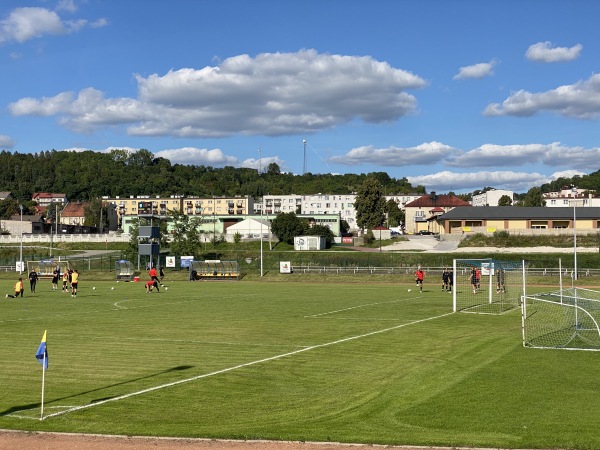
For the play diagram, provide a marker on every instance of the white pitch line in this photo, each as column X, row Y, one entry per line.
column 239, row 366
column 353, row 307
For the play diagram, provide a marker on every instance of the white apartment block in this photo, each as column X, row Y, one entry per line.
column 568, row 196
column 190, row 206
column 275, row 204
column 220, row 206
column 342, row 204
column 491, row 198
column 403, row 199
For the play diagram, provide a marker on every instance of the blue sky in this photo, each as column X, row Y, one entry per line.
column 453, row 95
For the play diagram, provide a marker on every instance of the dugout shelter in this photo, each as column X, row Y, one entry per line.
column 124, row 270
column 45, row 268
column 214, row 270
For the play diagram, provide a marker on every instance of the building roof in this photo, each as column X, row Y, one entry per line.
column 26, row 218
column 433, row 200
column 5, row 195
column 520, row 213
column 74, row 209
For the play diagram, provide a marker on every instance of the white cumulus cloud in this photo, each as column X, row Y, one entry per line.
column 423, row 154
column 24, row 24
column 480, row 70
column 198, row 157
column 454, row 181
column 545, row 52
column 271, row 94
column 6, row 142
column 580, row 100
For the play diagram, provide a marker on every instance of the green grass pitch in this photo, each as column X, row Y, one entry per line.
column 356, row 362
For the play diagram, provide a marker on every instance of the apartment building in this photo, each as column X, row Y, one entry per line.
column 403, row 199
column 491, row 197
column 222, row 206
column 275, row 204
column 342, row 204
column 570, row 197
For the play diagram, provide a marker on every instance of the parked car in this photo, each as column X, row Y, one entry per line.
column 425, row 232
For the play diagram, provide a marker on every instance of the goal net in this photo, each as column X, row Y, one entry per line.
column 486, row 286
column 564, row 319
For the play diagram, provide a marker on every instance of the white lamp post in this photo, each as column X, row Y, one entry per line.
column 21, row 248
column 304, row 166
column 574, row 190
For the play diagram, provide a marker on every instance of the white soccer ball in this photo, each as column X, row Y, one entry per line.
column 117, row 281
column 112, row 288
column 409, row 290
column 94, row 288
column 166, row 289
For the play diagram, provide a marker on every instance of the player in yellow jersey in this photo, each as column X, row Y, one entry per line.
column 18, row 289
column 74, row 281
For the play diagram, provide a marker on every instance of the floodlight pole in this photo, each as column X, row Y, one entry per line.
column 262, row 206
column 304, row 166
column 21, row 247
column 575, row 235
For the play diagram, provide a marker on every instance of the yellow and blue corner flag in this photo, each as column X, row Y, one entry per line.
column 42, row 352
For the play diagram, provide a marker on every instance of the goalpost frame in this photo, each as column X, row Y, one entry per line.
column 505, row 296
column 455, row 279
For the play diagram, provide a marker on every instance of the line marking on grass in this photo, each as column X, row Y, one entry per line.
column 352, row 307
column 240, row 366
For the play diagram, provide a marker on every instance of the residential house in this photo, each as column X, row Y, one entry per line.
column 73, row 213
column 570, row 196
column 44, row 199
column 421, row 214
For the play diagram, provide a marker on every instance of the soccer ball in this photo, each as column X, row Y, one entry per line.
column 112, row 288
column 166, row 289
column 117, row 281
column 94, row 288
column 409, row 290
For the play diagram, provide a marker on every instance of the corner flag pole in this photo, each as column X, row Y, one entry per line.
column 42, row 356
column 43, row 385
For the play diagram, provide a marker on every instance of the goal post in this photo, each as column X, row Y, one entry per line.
column 487, row 286
column 565, row 319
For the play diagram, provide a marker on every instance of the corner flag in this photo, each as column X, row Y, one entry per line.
column 42, row 352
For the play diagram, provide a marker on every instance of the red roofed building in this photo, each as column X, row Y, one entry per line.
column 44, row 199
column 421, row 213
column 73, row 213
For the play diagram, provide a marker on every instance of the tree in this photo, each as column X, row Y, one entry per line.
column 533, row 198
column 394, row 214
column 186, row 238
column 370, row 204
column 321, row 230
column 505, row 200
column 273, row 169
column 344, row 226
column 286, row 226
column 95, row 214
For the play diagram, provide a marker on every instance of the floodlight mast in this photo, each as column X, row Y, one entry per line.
column 304, row 166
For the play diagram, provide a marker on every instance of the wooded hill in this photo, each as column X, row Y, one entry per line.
column 86, row 175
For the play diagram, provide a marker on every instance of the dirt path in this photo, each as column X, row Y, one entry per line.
column 16, row 440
